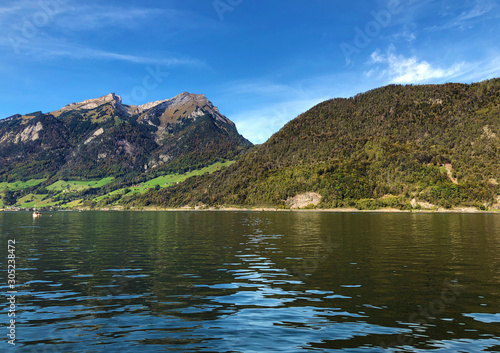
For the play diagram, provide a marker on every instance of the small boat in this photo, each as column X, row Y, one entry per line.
column 36, row 214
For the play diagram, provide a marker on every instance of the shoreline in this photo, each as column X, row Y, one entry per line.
column 468, row 210
column 319, row 210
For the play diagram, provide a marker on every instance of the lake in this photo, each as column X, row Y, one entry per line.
column 252, row 282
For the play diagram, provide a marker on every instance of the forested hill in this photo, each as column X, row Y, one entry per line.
column 396, row 146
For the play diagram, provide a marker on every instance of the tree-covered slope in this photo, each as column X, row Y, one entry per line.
column 393, row 146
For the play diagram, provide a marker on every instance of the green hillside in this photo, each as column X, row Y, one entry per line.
column 77, row 185
column 397, row 146
column 91, row 193
column 124, row 195
column 18, row 185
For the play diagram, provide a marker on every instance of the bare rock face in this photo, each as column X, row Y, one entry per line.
column 171, row 111
column 497, row 205
column 91, row 103
column 304, row 200
column 29, row 134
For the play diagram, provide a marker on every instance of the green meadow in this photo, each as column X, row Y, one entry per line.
column 163, row 181
column 19, row 185
column 67, row 187
column 74, row 185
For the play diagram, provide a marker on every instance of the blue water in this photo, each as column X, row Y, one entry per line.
column 253, row 282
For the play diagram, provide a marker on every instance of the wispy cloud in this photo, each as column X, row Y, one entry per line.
column 46, row 30
column 401, row 69
column 14, row 15
column 259, row 124
column 45, row 48
column 481, row 70
column 80, row 52
column 270, row 104
column 479, row 10
column 84, row 18
column 70, row 15
column 263, row 87
column 9, row 9
column 406, row 35
column 273, row 105
column 73, row 14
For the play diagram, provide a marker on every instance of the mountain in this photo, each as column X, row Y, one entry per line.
column 103, row 137
column 396, row 146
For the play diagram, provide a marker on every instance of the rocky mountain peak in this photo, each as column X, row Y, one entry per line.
column 180, row 99
column 103, row 134
column 185, row 97
column 183, row 105
column 93, row 103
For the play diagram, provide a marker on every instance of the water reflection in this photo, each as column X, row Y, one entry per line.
column 255, row 282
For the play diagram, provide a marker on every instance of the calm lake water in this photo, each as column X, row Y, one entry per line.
column 253, row 282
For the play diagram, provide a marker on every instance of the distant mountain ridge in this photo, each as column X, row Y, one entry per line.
column 198, row 102
column 104, row 137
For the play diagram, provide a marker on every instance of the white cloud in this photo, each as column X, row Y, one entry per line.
column 401, row 69
column 405, row 35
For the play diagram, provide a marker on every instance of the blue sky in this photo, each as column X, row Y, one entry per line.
column 261, row 62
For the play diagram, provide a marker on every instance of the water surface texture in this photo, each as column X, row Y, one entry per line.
column 253, row 282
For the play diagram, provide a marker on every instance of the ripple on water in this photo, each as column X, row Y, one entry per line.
column 198, row 285
column 483, row 317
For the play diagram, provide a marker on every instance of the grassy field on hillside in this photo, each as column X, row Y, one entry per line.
column 35, row 200
column 74, row 185
column 162, row 181
column 19, row 185
column 71, row 204
column 171, row 179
